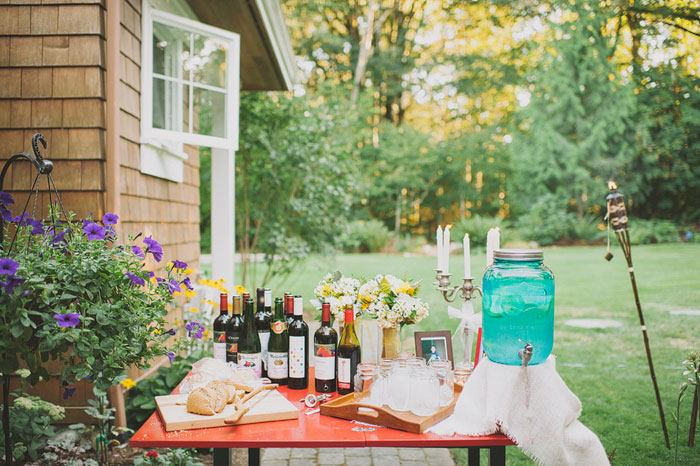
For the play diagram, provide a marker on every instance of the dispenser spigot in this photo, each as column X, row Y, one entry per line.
column 525, row 354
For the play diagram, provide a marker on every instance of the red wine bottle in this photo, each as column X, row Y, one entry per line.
column 289, row 308
column 325, row 345
column 278, row 349
column 349, row 354
column 220, row 328
column 234, row 328
column 298, row 348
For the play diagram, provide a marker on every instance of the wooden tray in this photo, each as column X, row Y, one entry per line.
column 345, row 407
column 273, row 407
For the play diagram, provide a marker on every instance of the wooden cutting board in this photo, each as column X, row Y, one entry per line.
column 273, row 407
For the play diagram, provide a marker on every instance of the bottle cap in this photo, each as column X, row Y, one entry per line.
column 298, row 306
column 236, row 304
column 268, row 297
column 325, row 312
column 349, row 315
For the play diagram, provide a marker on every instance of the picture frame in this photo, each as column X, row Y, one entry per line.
column 432, row 345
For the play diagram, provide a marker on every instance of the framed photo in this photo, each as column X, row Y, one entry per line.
column 434, row 345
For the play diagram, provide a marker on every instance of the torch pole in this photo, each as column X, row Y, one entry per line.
column 624, row 241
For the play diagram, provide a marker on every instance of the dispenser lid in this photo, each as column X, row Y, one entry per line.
column 518, row 254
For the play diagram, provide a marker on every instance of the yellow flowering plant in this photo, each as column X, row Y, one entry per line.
column 392, row 301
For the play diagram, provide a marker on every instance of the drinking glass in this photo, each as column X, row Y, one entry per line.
column 462, row 372
column 365, row 377
column 399, row 388
column 425, row 392
column 380, row 389
column 443, row 372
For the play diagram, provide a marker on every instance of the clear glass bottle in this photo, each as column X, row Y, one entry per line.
column 518, row 306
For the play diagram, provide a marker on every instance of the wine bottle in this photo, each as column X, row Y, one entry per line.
column 349, row 353
column 234, row 328
column 268, row 303
column 289, row 308
column 278, row 349
column 325, row 344
column 249, row 351
column 262, row 323
column 298, row 347
column 220, row 328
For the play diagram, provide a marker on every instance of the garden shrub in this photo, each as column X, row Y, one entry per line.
column 478, row 227
column 586, row 229
column 31, row 425
column 547, row 222
column 643, row 231
column 365, row 236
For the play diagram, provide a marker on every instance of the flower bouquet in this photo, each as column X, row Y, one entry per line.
column 332, row 289
column 393, row 303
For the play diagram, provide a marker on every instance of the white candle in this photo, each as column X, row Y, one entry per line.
column 446, row 248
column 439, row 248
column 467, row 261
column 493, row 241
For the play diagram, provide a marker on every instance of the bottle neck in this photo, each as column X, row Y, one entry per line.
column 326, row 315
column 298, row 308
column 279, row 315
column 223, row 304
column 236, row 305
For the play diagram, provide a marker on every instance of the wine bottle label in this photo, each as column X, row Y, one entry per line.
column 343, row 372
column 251, row 361
column 232, row 348
column 264, row 343
column 277, row 365
column 279, row 326
column 324, row 361
column 220, row 345
column 297, row 357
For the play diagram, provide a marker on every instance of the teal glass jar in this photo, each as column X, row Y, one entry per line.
column 518, row 306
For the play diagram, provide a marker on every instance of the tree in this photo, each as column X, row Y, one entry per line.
column 578, row 125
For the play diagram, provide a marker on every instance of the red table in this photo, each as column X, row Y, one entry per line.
column 309, row 431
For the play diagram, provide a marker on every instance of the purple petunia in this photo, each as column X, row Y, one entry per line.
column 6, row 198
column 11, row 283
column 172, row 331
column 177, row 264
column 110, row 218
column 69, row 391
column 8, row 266
column 135, row 279
column 195, row 327
column 150, row 274
column 37, row 226
column 187, row 283
column 58, row 238
column 138, row 252
column 94, row 231
column 5, row 214
column 67, row 320
column 154, row 248
column 171, row 356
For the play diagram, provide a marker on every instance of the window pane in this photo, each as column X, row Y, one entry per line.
column 166, row 104
column 209, row 112
column 208, row 62
column 170, row 48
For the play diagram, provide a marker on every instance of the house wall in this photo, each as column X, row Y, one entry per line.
column 52, row 80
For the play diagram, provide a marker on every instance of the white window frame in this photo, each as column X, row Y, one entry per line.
column 158, row 136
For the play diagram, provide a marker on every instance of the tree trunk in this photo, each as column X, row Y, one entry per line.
column 397, row 214
column 366, row 34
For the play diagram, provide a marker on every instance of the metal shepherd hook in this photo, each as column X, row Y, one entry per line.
column 617, row 217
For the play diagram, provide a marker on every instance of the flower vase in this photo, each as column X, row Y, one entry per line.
column 391, row 342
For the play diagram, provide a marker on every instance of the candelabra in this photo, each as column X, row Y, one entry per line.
column 467, row 290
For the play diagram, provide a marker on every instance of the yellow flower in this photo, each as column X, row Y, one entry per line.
column 127, row 383
column 209, row 301
column 156, row 331
column 177, row 321
column 241, row 289
column 153, row 279
column 190, row 294
column 194, row 309
column 205, row 334
column 326, row 290
column 188, row 271
column 177, row 293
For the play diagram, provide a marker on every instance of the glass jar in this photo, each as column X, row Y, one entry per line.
column 398, row 391
column 518, row 306
column 443, row 372
column 424, row 399
column 365, row 378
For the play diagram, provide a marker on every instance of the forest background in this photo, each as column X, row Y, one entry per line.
column 415, row 113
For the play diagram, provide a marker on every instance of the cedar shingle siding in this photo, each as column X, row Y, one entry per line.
column 52, row 80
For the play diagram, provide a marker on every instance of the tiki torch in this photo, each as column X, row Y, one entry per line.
column 617, row 217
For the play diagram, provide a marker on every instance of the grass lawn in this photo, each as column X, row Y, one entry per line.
column 606, row 369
